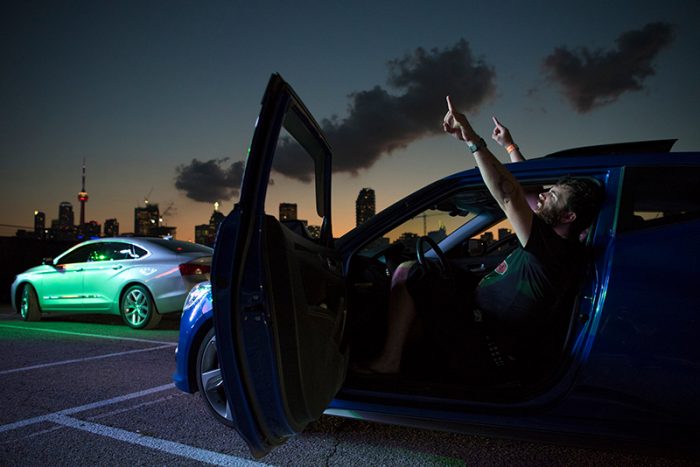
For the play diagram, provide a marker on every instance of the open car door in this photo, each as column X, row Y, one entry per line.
column 278, row 292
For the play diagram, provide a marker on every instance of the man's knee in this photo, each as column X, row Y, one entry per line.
column 401, row 274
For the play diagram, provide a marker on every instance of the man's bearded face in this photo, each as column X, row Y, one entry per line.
column 551, row 204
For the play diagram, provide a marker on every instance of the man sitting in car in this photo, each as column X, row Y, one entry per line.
column 501, row 319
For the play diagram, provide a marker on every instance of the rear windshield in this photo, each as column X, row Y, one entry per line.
column 177, row 246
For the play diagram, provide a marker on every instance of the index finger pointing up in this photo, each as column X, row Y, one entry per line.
column 496, row 122
column 450, row 107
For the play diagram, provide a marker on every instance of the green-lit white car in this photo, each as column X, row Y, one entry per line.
column 137, row 278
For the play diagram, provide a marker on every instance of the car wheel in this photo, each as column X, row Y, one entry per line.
column 138, row 309
column 29, row 304
column 209, row 380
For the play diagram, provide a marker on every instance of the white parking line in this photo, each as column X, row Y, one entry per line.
column 170, row 447
column 182, row 450
column 84, row 334
column 138, row 406
column 82, row 408
column 84, row 359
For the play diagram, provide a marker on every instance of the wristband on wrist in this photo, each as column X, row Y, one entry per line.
column 511, row 147
column 475, row 146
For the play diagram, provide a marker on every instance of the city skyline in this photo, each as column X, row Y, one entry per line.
column 147, row 220
column 161, row 99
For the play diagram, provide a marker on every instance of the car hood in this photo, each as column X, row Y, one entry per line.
column 40, row 268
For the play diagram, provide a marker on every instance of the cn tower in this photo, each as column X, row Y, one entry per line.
column 82, row 197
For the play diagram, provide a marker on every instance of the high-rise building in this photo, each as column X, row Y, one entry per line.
column 314, row 231
column 487, row 238
column 39, row 225
column 65, row 225
column 91, row 229
column 111, row 228
column 214, row 222
column 205, row 234
column 365, row 206
column 66, row 219
column 147, row 220
column 288, row 211
column 201, row 234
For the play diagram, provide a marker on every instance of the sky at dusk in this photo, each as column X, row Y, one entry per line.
column 161, row 97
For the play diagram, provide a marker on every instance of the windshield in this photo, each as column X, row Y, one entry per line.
column 438, row 221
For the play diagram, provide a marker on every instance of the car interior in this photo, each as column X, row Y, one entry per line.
column 474, row 236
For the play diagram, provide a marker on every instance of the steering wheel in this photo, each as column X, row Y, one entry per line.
column 441, row 264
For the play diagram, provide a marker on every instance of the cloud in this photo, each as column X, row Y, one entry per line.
column 591, row 79
column 209, row 181
column 378, row 122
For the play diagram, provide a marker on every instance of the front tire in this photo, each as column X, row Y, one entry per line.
column 29, row 304
column 210, row 382
column 138, row 309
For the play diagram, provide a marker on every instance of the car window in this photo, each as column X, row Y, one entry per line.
column 99, row 253
column 657, row 196
column 294, row 203
column 116, row 251
column 437, row 222
column 128, row 251
column 79, row 255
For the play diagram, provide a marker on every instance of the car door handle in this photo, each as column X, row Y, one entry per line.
column 479, row 268
column 117, row 267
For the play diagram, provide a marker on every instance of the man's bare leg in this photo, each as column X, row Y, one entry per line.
column 402, row 312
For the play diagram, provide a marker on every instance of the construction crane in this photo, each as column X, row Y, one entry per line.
column 425, row 216
column 169, row 210
column 145, row 198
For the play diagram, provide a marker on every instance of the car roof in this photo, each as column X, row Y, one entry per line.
column 633, row 153
column 142, row 241
column 563, row 163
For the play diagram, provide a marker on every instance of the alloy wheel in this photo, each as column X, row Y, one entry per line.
column 210, row 380
column 137, row 307
column 24, row 304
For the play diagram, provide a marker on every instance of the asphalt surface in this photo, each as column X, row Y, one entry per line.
column 87, row 390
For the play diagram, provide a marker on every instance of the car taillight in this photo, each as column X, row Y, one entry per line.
column 193, row 269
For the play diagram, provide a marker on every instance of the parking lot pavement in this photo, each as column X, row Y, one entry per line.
column 87, row 390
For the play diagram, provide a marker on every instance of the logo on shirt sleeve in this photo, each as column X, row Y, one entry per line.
column 502, row 268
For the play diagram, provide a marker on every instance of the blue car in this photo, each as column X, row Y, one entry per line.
column 270, row 341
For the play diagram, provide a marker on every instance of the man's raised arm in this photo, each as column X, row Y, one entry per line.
column 505, row 189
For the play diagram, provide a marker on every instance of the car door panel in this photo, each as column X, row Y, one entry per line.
column 100, row 290
column 279, row 298
column 62, row 287
column 308, row 299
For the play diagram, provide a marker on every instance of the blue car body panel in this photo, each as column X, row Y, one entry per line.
column 633, row 364
column 196, row 320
